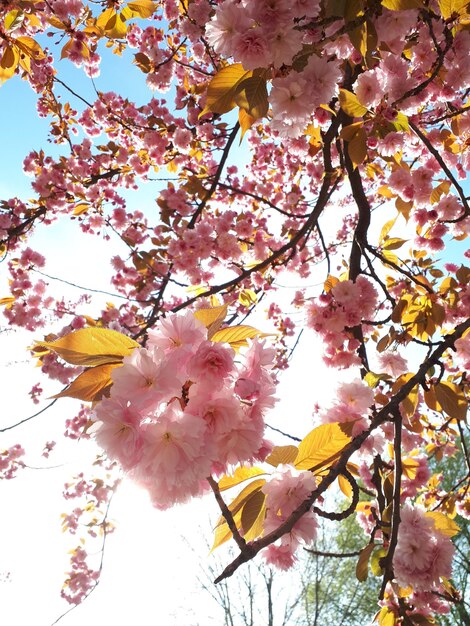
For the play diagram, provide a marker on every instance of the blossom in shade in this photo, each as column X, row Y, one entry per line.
column 423, row 554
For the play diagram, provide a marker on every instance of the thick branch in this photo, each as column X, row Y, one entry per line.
column 382, row 416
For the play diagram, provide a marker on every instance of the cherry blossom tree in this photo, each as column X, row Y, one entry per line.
column 353, row 122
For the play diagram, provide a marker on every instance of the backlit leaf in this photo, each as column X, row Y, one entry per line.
column 323, row 445
column 241, row 474
column 91, row 346
column 357, row 147
column 237, row 504
column 222, row 89
column 402, row 5
column 246, row 122
column 451, row 399
column 410, row 403
column 451, row 8
column 282, row 455
column 237, row 336
column 345, row 486
column 251, row 95
column 375, row 558
column 350, row 104
column 90, row 384
column 252, row 510
column 443, row 523
column 410, row 467
column 362, row 567
column 212, row 318
column 142, row 8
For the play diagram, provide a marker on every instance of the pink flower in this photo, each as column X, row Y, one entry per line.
column 145, row 380
column 357, row 394
column 211, row 364
column 368, row 89
column 392, row 363
column 423, row 554
column 251, row 49
column 230, row 20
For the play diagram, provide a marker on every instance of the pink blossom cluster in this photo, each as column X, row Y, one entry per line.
column 81, row 580
column 423, row 554
column 354, row 400
column 285, row 491
column 10, row 461
column 184, row 407
column 336, row 312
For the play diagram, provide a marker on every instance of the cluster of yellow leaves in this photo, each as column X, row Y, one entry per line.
column 19, row 51
column 99, row 350
column 316, row 453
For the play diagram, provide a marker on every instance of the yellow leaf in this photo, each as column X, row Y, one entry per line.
column 223, row 533
column 7, row 300
column 323, row 445
column 393, row 243
column 329, row 283
column 345, row 486
column 410, row 467
column 246, row 122
column 385, row 191
column 13, row 20
column 212, row 318
column 91, row 346
column 222, row 89
column 247, row 297
column 362, row 567
column 443, row 523
column 375, row 566
column 81, row 208
column 410, row 403
column 142, row 8
column 451, row 399
column 357, row 147
column 402, row 5
column 237, row 336
column 252, row 509
column 8, row 63
column 350, row 104
column 241, row 474
column 386, row 617
column 257, row 527
column 251, row 95
column 282, row 455
column 386, row 228
column 30, row 47
column 450, row 8
column 90, row 384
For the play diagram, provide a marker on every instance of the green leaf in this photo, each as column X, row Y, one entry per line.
column 323, row 445
column 282, row 455
column 91, row 346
